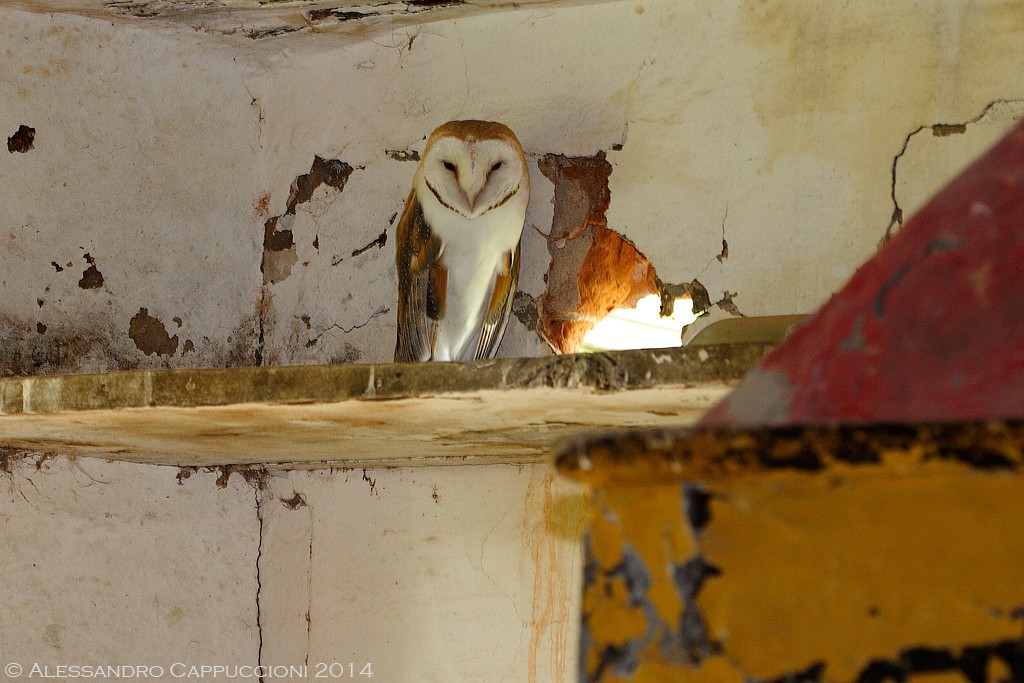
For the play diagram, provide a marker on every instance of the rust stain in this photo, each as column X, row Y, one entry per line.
column 545, row 539
column 262, row 205
column 541, row 554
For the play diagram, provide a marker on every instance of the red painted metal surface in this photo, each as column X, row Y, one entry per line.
column 930, row 329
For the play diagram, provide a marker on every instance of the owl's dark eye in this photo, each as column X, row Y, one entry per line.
column 449, row 166
column 497, row 165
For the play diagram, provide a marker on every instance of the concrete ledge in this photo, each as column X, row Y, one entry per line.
column 508, row 410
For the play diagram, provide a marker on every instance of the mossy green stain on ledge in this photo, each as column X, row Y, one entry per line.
column 186, row 388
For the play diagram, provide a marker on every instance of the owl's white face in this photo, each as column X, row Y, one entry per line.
column 471, row 176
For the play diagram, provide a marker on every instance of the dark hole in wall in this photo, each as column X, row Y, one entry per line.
column 22, row 141
column 150, row 335
column 92, row 278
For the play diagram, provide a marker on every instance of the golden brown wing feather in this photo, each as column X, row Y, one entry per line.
column 499, row 306
column 422, row 285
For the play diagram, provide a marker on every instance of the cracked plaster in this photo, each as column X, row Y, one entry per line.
column 932, row 154
column 748, row 158
column 388, row 567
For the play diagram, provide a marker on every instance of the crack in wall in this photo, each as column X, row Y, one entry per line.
column 309, row 591
column 345, row 330
column 382, row 239
column 259, row 582
column 937, row 130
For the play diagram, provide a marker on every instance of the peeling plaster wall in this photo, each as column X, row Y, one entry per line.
column 128, row 228
column 160, row 151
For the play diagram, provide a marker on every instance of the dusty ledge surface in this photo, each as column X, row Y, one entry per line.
column 504, row 410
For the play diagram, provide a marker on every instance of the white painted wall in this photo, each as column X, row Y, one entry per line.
column 425, row 574
column 429, row 574
column 117, row 564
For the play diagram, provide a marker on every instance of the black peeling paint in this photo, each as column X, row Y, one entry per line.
column 381, row 240
column 698, row 506
column 633, row 573
column 403, row 154
column 883, row 291
column 692, row 638
column 591, row 567
column 690, row 576
column 622, row 659
column 804, row 462
column 812, row 674
column 334, row 12
column 922, row 659
column 973, row 663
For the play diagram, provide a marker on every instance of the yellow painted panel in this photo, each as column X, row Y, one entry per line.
column 832, row 574
column 860, row 565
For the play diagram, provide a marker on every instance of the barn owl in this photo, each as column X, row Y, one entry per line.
column 458, row 243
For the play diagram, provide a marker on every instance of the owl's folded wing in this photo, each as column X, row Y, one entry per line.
column 499, row 306
column 422, row 284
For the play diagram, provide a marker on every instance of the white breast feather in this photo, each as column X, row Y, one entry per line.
column 473, row 251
